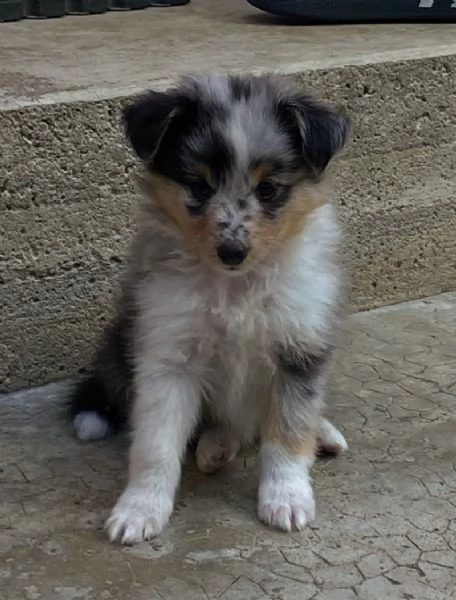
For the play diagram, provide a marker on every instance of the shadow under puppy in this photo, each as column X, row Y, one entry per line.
column 231, row 300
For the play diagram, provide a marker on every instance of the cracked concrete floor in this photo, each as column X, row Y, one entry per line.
column 386, row 527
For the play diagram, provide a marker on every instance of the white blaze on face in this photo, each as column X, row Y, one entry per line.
column 237, row 135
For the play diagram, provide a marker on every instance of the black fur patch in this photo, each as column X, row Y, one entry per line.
column 147, row 118
column 241, row 88
column 191, row 140
column 108, row 390
column 90, row 396
column 316, row 131
column 303, row 367
column 173, row 133
column 300, row 362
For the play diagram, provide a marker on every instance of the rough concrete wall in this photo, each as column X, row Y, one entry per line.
column 396, row 183
column 67, row 204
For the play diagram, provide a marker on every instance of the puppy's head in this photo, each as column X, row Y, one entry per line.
column 233, row 162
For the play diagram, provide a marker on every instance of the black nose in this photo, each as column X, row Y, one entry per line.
column 232, row 254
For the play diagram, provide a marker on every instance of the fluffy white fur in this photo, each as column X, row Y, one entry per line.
column 285, row 496
column 205, row 335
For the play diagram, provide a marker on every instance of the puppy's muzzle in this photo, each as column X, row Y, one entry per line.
column 232, row 254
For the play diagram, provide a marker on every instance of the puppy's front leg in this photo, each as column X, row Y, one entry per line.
column 288, row 445
column 165, row 412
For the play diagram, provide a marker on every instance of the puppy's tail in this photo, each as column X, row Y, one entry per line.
column 100, row 404
column 88, row 413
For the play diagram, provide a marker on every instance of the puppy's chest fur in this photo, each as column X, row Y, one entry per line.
column 228, row 323
column 236, row 346
column 239, row 316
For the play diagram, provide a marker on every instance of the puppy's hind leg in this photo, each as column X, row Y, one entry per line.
column 216, row 448
column 330, row 440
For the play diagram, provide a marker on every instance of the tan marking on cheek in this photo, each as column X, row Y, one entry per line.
column 269, row 234
column 169, row 198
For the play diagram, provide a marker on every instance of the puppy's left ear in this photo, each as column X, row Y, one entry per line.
column 147, row 120
column 318, row 130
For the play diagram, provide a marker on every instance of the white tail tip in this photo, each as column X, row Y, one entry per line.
column 89, row 426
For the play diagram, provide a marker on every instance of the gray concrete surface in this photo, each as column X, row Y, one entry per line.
column 112, row 54
column 386, row 527
column 67, row 198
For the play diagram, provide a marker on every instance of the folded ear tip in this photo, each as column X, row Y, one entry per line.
column 145, row 119
column 127, row 118
column 343, row 128
column 136, row 103
column 128, row 110
column 323, row 129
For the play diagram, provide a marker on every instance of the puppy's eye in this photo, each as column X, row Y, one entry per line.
column 266, row 190
column 200, row 190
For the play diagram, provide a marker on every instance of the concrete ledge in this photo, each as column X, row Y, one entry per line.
column 114, row 54
column 67, row 204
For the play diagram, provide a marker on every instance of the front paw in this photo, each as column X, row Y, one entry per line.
column 286, row 506
column 139, row 515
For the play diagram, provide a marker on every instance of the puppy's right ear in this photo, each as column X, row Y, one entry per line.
column 320, row 131
column 147, row 119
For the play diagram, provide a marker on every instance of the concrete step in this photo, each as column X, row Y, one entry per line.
column 387, row 504
column 67, row 199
